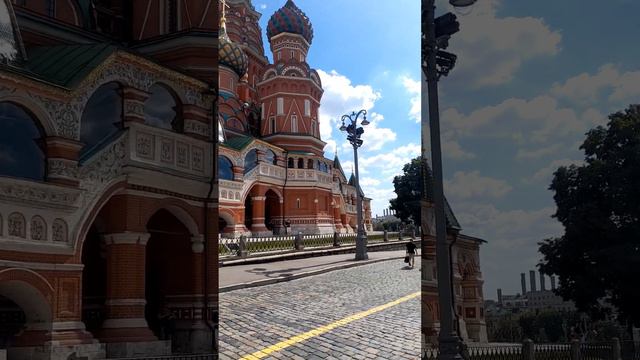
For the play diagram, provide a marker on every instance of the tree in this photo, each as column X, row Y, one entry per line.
column 598, row 258
column 408, row 190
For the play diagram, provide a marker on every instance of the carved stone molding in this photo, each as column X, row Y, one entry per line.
column 196, row 127
column 62, row 168
column 49, row 196
column 64, row 115
column 105, row 166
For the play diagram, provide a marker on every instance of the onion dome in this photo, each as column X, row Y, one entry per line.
column 290, row 19
column 231, row 54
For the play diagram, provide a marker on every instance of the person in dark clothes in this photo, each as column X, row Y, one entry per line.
column 411, row 252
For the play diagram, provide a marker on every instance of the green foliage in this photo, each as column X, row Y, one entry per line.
column 598, row 257
column 408, row 189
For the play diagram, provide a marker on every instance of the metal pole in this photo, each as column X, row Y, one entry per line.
column 449, row 342
column 361, row 248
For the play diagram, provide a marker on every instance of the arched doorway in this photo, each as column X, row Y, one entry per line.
column 222, row 224
column 94, row 280
column 168, row 271
column 248, row 212
column 29, row 308
column 12, row 321
column 272, row 212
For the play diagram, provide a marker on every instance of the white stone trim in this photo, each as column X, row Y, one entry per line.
column 127, row 238
column 41, row 266
column 197, row 244
column 125, row 323
column 67, row 325
column 125, row 302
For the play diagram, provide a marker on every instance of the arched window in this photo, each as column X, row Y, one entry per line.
column 102, row 115
column 270, row 157
column 225, row 168
column 250, row 160
column 290, row 163
column 163, row 110
column 21, row 149
column 300, row 163
column 310, row 164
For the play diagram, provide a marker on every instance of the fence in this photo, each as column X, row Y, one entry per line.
column 243, row 245
column 176, row 357
column 610, row 350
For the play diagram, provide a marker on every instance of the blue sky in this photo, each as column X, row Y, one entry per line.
column 532, row 77
column 367, row 55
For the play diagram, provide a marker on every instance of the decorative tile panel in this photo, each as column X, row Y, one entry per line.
column 182, row 155
column 144, row 145
column 166, row 150
column 38, row 229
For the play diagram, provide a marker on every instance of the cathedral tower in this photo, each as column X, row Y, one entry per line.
column 290, row 89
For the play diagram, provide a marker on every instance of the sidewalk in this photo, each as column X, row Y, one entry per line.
column 250, row 275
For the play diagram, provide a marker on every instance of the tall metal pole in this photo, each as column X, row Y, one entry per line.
column 449, row 342
column 361, row 247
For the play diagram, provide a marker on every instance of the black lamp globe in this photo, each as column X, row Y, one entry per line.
column 462, row 3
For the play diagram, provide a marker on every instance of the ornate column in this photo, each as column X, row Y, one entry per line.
column 257, row 215
column 196, row 121
column 125, row 323
column 62, row 160
column 238, row 173
column 429, row 283
column 133, row 110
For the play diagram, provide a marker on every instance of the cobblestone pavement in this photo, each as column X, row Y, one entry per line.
column 254, row 319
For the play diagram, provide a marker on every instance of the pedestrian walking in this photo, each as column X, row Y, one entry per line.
column 411, row 252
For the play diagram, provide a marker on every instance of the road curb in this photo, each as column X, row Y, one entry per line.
column 301, row 275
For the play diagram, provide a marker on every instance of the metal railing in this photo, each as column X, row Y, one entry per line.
column 244, row 245
column 175, row 357
column 607, row 350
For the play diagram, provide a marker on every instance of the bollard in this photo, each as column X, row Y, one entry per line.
column 335, row 239
column 527, row 350
column 242, row 250
column 298, row 242
column 400, row 235
column 413, row 233
column 386, row 236
column 575, row 349
column 616, row 353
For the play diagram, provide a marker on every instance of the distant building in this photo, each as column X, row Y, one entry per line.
column 534, row 299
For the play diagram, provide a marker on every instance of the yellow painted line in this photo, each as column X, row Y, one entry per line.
column 326, row 328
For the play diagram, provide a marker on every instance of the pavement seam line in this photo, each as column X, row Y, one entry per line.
column 325, row 328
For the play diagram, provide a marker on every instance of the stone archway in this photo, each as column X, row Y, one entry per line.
column 167, row 270
column 273, row 212
column 30, row 294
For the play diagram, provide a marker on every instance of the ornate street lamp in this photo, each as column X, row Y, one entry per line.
column 436, row 63
column 353, row 135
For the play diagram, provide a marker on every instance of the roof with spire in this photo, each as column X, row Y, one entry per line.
column 230, row 53
column 290, row 19
column 336, row 164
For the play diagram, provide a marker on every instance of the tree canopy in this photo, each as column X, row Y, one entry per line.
column 598, row 258
column 408, row 189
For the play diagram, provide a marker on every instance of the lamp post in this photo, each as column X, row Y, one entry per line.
column 353, row 135
column 436, row 63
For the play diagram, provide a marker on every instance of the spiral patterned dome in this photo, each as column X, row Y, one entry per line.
column 231, row 54
column 291, row 19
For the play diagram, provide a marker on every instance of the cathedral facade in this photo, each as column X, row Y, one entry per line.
column 106, row 178
column 273, row 175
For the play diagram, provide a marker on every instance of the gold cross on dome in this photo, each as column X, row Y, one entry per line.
column 224, row 5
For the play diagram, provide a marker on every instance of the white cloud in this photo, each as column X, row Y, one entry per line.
column 263, row 6
column 413, row 88
column 618, row 87
column 465, row 185
column 342, row 97
column 521, row 121
column 492, row 49
column 369, row 181
column 538, row 153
